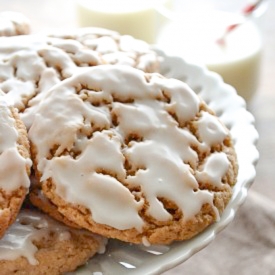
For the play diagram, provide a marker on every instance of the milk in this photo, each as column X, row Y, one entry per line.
column 194, row 37
column 134, row 17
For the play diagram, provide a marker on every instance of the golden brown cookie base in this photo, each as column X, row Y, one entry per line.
column 23, row 141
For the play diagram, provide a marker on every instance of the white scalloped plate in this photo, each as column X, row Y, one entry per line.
column 121, row 258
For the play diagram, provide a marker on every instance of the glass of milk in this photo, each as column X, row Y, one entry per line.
column 196, row 27
column 138, row 18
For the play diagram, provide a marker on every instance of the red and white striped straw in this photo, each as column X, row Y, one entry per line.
column 247, row 11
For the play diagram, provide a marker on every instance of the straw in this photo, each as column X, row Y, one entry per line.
column 246, row 12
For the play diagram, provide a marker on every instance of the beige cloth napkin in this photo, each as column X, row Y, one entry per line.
column 245, row 247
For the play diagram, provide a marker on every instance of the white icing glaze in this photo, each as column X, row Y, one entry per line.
column 95, row 187
column 210, row 130
column 161, row 163
column 175, row 182
column 30, row 227
column 213, row 170
column 10, row 158
column 145, row 242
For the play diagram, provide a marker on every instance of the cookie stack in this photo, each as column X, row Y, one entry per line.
column 105, row 147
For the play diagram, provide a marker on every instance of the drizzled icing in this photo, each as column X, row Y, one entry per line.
column 13, row 167
column 30, row 227
column 99, row 186
column 210, row 130
column 135, row 143
column 213, row 169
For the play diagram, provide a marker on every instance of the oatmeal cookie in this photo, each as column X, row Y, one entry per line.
column 132, row 155
column 37, row 244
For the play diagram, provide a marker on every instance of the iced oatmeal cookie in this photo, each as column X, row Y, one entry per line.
column 132, row 155
column 15, row 164
column 37, row 244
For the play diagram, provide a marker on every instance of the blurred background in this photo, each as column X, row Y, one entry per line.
column 261, row 102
